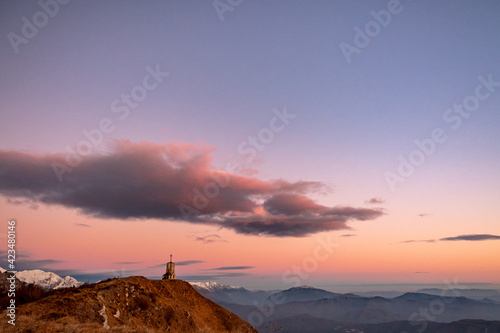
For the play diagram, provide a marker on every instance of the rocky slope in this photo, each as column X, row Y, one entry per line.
column 133, row 304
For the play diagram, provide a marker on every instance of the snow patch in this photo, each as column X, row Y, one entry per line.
column 102, row 312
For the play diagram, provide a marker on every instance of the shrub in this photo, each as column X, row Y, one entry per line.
column 29, row 293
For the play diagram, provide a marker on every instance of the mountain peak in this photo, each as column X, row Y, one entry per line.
column 304, row 288
column 213, row 286
column 307, row 293
column 47, row 280
column 127, row 304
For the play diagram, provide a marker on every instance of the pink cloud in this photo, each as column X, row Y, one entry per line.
column 375, row 201
column 173, row 182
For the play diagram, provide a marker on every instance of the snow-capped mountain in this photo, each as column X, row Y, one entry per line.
column 229, row 294
column 213, row 286
column 47, row 280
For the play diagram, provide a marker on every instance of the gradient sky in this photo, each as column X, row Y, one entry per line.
column 323, row 174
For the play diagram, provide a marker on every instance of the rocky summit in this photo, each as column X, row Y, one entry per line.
column 133, row 304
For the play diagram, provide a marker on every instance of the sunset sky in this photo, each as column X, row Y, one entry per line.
column 348, row 145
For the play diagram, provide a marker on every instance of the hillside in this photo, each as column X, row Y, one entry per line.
column 4, row 288
column 126, row 305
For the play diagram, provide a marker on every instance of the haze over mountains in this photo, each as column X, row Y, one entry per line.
column 479, row 294
column 308, row 309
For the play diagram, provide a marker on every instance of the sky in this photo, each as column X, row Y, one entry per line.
column 266, row 144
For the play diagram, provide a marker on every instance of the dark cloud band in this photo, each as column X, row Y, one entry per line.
column 174, row 182
column 481, row 237
column 474, row 237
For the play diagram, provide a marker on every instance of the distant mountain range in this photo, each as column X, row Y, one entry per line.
column 307, row 309
column 306, row 294
column 478, row 294
column 220, row 293
column 46, row 280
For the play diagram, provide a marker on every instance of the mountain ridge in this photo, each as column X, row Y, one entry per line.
column 220, row 293
column 44, row 279
column 127, row 305
column 47, row 280
column 324, row 311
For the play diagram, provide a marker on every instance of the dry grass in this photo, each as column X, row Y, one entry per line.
column 133, row 304
column 29, row 293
